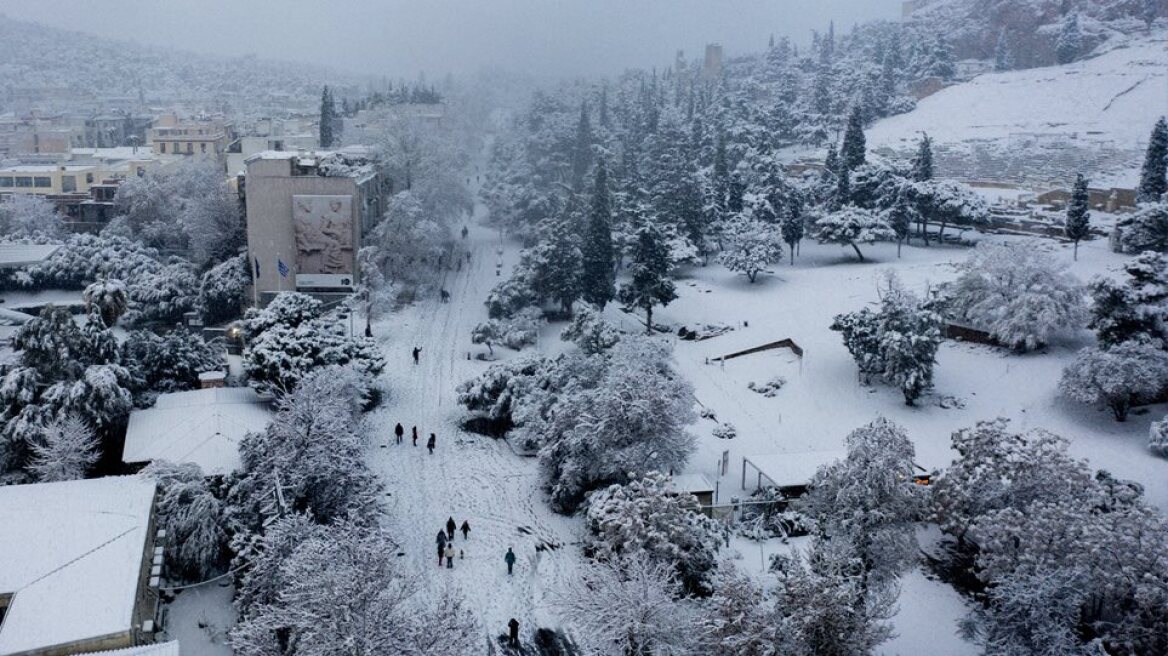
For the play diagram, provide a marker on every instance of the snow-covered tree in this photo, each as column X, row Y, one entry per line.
column 222, row 288
column 194, row 519
column 598, row 275
column 1018, row 293
column 328, row 118
column 632, row 419
column 65, row 451
column 289, row 309
column 650, row 284
column 556, row 265
column 946, row 203
column 861, row 334
column 853, row 151
column 1146, row 229
column 922, row 165
column 514, row 332
column 282, row 355
column 870, row 499
column 852, row 226
column 1003, row 55
column 1136, row 308
column 513, row 294
column 590, row 331
column 630, row 606
column 752, row 247
column 1158, row 437
column 901, row 217
column 1154, row 174
column 210, row 214
column 106, row 299
column 28, row 216
column 646, row 519
column 1077, row 225
column 1069, row 44
column 170, row 362
column 496, row 393
column 1122, row 376
column 791, row 229
column 339, row 595
column 409, row 242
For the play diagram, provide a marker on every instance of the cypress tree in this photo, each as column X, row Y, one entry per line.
column 582, row 152
column 599, row 277
column 1070, row 41
column 1154, row 174
column 1003, row 58
column 650, row 284
column 852, row 153
column 1078, row 223
column 328, row 112
column 922, row 168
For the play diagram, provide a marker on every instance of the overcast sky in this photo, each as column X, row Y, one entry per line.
column 400, row 38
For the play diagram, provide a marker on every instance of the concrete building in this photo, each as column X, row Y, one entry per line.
column 79, row 569
column 244, row 147
column 78, row 169
column 204, row 137
column 307, row 214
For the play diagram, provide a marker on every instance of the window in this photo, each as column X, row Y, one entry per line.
column 88, row 178
column 42, row 182
column 203, row 147
column 5, row 181
column 190, row 148
column 162, row 147
column 68, row 183
column 24, row 181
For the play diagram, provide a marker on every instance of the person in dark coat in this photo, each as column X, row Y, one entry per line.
column 441, row 552
column 431, row 442
column 465, row 529
column 417, row 351
column 399, row 431
column 415, row 436
column 450, row 526
column 513, row 632
column 510, row 559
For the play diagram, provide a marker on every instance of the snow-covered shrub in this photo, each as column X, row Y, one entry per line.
column 287, row 309
column 1018, row 293
column 946, row 203
column 632, row 419
column 870, row 499
column 338, row 589
column 1146, row 229
column 512, row 295
column 630, row 606
column 767, row 514
column 1118, row 378
column 751, row 247
column 496, row 393
column 164, row 295
column 1158, row 437
column 170, row 362
column 278, row 359
column 210, row 214
column 408, row 242
column 84, row 258
column 107, row 298
column 768, row 389
column 193, row 517
column 590, row 331
column 515, row 332
column 66, row 450
column 645, row 518
column 30, row 217
column 852, row 226
column 725, row 431
column 1137, row 308
column 221, row 290
column 101, row 396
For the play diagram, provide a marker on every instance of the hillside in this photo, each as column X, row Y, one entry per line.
column 1043, row 124
column 41, row 61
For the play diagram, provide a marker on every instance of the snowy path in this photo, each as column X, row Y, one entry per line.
column 469, row 477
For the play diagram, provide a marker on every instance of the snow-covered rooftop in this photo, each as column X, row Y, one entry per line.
column 70, row 556
column 691, row 483
column 160, row 649
column 18, row 255
column 203, row 427
column 792, row 469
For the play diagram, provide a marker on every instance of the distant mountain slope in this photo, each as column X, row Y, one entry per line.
column 37, row 57
column 1041, row 123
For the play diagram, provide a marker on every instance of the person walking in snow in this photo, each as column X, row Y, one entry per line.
column 450, row 526
column 417, row 351
column 431, row 442
column 510, row 559
column 441, row 546
column 449, row 556
column 465, row 232
column 513, row 632
column 399, row 432
column 465, row 529
column 415, row 436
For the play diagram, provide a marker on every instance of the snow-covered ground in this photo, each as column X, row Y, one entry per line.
column 199, row 618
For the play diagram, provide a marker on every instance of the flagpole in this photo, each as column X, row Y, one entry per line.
column 255, row 284
column 279, row 274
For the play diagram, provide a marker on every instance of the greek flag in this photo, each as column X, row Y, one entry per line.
column 257, row 266
column 282, row 268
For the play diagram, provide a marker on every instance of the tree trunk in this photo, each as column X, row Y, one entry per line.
column 1076, row 250
column 898, row 244
column 941, row 235
column 792, row 255
column 751, row 275
column 1120, row 408
column 858, row 253
column 648, row 319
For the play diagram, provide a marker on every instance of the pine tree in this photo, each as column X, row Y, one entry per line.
column 599, row 277
column 852, row 154
column 328, row 112
column 922, row 166
column 843, row 191
column 582, row 151
column 1070, row 41
column 603, row 112
column 792, row 230
column 1154, row 174
column 1003, row 57
column 831, row 163
column 900, row 219
column 1078, row 225
column 650, row 284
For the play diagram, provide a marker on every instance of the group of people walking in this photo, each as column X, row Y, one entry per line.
column 445, row 541
column 399, row 431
